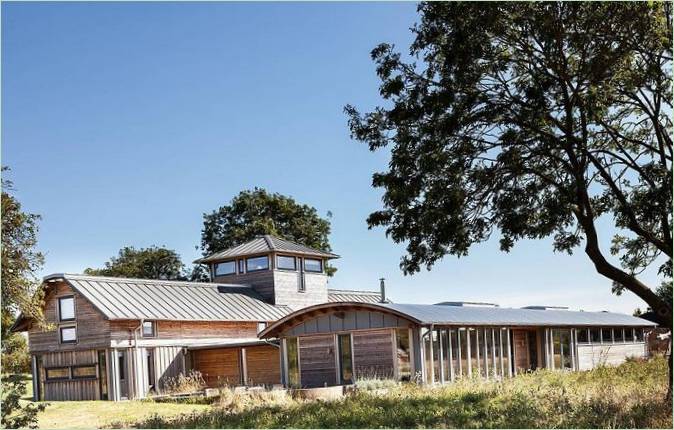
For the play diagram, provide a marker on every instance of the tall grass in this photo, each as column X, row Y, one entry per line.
column 631, row 395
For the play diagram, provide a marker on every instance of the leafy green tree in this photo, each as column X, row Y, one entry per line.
column 257, row 212
column 144, row 263
column 530, row 120
column 20, row 294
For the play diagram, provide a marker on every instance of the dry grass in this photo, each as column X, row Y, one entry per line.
column 631, row 395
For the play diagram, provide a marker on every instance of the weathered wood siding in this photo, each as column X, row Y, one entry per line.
column 591, row 356
column 345, row 321
column 218, row 367
column 73, row 389
column 317, row 360
column 93, row 330
column 262, row 365
column 182, row 332
column 286, row 285
column 521, row 350
column 373, row 353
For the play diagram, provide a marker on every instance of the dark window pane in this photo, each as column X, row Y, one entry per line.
column 67, row 308
column 594, row 335
column 68, row 334
column 148, row 328
column 311, row 265
column 257, row 263
column 286, row 263
column 463, row 349
column 426, row 337
column 149, row 355
column 582, row 335
column 565, row 339
column 241, row 267
column 556, row 349
column 474, row 365
column 345, row 365
column 446, row 358
column 436, row 355
column 57, row 373
column 403, row 354
column 619, row 335
column 104, row 375
column 639, row 334
column 225, row 268
column 606, row 335
column 84, row 372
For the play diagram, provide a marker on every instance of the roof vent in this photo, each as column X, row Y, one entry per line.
column 547, row 308
column 469, row 304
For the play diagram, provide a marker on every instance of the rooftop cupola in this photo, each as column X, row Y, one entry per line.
column 283, row 272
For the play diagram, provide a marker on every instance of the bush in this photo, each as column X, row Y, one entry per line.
column 183, row 384
column 14, row 413
column 631, row 395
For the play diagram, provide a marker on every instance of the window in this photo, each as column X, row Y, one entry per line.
column 104, row 375
column 84, row 372
column 583, row 336
column 619, row 335
column 67, row 308
column 436, row 355
column 606, row 335
column 595, row 337
column 474, row 363
column 285, row 262
column 225, row 268
column 149, row 329
column 565, row 336
column 149, row 356
column 241, row 267
column 261, row 326
column 403, row 354
column 57, row 373
column 292, row 351
column 463, row 351
column 639, row 334
column 257, row 263
column 345, row 364
column 68, row 334
column 313, row 265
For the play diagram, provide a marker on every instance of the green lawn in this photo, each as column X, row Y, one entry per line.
column 629, row 396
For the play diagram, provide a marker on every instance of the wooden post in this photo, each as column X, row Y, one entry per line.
column 442, row 357
column 430, row 342
column 468, row 358
column 511, row 359
column 451, row 354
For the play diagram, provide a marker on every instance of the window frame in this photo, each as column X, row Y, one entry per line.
column 60, row 316
column 262, row 324
column 61, row 378
column 604, row 341
column 320, row 261
column 67, row 342
column 249, row 270
column 587, row 334
column 79, row 378
column 154, row 329
column 278, row 265
column 215, row 268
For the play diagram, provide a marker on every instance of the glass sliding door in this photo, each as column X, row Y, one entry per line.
column 403, row 354
column 565, row 342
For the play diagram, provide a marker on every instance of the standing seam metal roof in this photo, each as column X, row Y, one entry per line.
column 264, row 244
column 335, row 296
column 123, row 298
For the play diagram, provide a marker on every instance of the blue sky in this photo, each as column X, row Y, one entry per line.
column 124, row 122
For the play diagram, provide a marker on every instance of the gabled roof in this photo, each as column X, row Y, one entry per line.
column 335, row 296
column 125, row 298
column 263, row 244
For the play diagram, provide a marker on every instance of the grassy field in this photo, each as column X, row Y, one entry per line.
column 629, row 396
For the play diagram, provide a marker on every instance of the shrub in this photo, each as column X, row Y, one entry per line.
column 181, row 384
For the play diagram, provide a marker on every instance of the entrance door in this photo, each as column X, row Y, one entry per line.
column 345, row 362
column 123, row 382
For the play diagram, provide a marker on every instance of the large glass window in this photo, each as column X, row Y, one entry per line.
column 489, row 362
column 345, row 363
column 447, row 359
column 68, row 334
column 292, row 351
column 474, row 364
column 454, row 350
column 556, row 349
column 286, row 262
column 84, row 372
column 257, row 263
column 463, row 351
column 483, row 357
column 619, row 335
column 426, row 339
column 67, row 308
column 149, row 329
column 565, row 340
column 404, row 354
column 225, row 268
column 504, row 350
column 149, row 357
column 583, row 335
column 606, row 335
column 498, row 365
column 436, row 355
column 57, row 373
column 595, row 335
column 313, row 265
column 639, row 334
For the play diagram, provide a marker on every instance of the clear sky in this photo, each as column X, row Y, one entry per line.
column 123, row 123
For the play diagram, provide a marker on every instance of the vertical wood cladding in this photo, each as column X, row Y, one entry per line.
column 71, row 389
column 373, row 354
column 317, row 360
column 263, row 365
column 219, row 366
column 93, row 330
column 521, row 350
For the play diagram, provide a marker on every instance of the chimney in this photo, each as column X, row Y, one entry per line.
column 382, row 288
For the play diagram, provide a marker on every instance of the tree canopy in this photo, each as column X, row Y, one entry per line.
column 148, row 263
column 530, row 120
column 257, row 212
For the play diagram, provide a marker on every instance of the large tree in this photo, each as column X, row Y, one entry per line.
column 531, row 120
column 258, row 212
column 147, row 263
